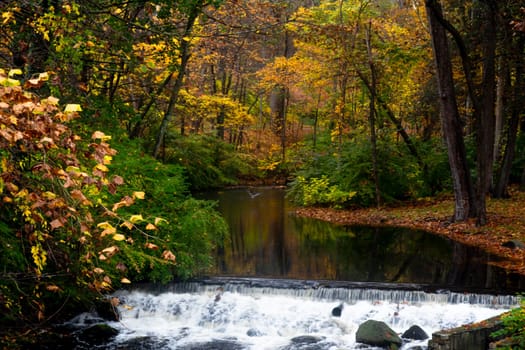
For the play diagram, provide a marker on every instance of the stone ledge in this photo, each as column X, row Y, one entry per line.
column 475, row 336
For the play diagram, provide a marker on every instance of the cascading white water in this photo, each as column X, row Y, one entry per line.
column 196, row 316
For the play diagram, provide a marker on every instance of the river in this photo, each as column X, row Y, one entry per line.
column 278, row 277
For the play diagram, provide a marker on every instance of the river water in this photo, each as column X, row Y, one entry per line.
column 278, row 278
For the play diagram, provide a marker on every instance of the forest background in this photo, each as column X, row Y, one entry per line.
column 113, row 112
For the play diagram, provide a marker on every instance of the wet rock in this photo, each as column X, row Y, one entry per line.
column 252, row 332
column 142, row 343
column 338, row 310
column 215, row 345
column 98, row 334
column 308, row 342
column 378, row 333
column 415, row 333
column 306, row 339
column 107, row 310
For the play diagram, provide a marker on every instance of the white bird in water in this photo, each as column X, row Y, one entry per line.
column 253, row 194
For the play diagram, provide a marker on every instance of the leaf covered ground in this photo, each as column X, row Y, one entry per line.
column 506, row 222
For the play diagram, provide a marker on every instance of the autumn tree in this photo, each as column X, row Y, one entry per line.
column 365, row 52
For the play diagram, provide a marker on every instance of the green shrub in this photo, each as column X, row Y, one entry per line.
column 513, row 329
column 191, row 229
column 208, row 161
column 318, row 191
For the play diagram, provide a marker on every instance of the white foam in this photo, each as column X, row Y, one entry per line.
column 184, row 318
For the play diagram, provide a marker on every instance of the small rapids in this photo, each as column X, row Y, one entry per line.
column 239, row 316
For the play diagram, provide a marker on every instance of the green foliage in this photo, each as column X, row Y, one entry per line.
column 208, row 161
column 348, row 168
column 513, row 329
column 318, row 191
column 192, row 227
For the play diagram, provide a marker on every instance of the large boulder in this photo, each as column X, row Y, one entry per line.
column 415, row 333
column 377, row 333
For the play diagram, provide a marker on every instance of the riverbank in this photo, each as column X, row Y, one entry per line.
column 506, row 223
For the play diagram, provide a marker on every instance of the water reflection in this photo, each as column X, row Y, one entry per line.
column 267, row 240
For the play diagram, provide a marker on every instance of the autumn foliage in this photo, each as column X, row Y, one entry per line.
column 60, row 232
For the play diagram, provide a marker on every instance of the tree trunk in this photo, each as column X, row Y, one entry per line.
column 485, row 116
column 450, row 118
column 194, row 12
column 372, row 115
column 500, row 188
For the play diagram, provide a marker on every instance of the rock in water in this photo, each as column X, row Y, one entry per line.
column 415, row 333
column 377, row 333
column 336, row 311
column 97, row 334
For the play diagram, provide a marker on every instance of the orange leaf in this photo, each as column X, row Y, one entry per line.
column 151, row 246
column 53, row 288
column 56, row 224
column 168, row 255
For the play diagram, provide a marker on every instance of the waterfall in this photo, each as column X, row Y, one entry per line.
column 266, row 314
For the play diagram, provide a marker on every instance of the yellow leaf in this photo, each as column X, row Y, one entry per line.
column 72, row 107
column 139, row 194
column 22, row 194
column 104, row 224
column 98, row 270
column 119, row 237
column 8, row 15
column 16, row 71
column 49, row 195
column 44, row 77
column 108, row 231
column 125, row 280
column 136, row 218
column 101, row 167
column 158, row 220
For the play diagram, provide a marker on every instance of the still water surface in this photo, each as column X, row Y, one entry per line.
column 268, row 240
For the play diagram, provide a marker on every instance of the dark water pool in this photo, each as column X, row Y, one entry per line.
column 268, row 240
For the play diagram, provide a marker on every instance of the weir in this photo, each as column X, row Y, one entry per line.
column 349, row 292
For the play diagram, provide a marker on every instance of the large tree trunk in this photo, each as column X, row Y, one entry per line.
column 450, row 118
column 485, row 116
